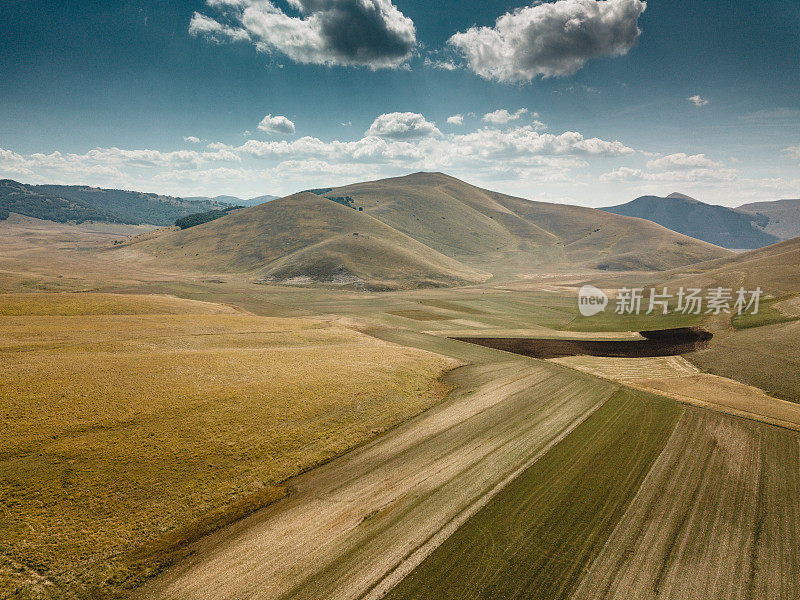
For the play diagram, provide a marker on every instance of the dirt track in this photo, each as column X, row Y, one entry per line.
column 351, row 522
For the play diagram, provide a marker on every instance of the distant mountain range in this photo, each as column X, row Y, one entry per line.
column 79, row 203
column 421, row 230
column 726, row 227
column 783, row 217
column 234, row 200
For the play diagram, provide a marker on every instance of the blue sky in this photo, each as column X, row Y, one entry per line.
column 168, row 97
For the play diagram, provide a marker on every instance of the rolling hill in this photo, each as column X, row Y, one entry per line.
column 718, row 225
column 79, row 203
column 426, row 229
column 306, row 238
column 783, row 217
column 773, row 268
column 753, row 349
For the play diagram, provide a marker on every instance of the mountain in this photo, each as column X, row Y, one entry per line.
column 505, row 234
column 783, row 217
column 78, row 203
column 259, row 200
column 306, row 238
column 426, row 229
column 718, row 225
column 25, row 200
column 234, row 200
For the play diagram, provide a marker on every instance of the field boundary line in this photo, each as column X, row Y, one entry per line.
column 407, row 565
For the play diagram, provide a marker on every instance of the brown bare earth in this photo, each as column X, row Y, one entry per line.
column 717, row 517
column 664, row 343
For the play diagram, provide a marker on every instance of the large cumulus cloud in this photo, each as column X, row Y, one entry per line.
column 402, row 126
column 550, row 39
column 371, row 33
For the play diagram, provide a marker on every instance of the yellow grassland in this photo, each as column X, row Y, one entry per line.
column 140, row 430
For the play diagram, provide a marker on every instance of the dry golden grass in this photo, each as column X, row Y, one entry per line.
column 136, row 431
column 37, row 304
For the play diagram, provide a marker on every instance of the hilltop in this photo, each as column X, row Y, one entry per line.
column 718, row 225
column 426, row 229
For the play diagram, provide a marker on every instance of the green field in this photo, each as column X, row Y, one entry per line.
column 537, row 536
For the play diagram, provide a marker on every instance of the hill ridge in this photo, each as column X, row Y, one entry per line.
column 423, row 229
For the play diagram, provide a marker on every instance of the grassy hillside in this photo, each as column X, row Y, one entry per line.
column 77, row 203
column 25, row 200
column 783, row 217
column 750, row 348
column 306, row 238
column 426, row 229
column 715, row 224
column 774, row 268
column 502, row 233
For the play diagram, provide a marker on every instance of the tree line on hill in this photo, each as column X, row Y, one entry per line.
column 79, row 204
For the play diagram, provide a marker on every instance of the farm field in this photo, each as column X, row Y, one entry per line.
column 717, row 517
column 766, row 357
column 357, row 520
column 135, row 424
column 645, row 499
column 538, row 535
column 677, row 378
column 156, row 407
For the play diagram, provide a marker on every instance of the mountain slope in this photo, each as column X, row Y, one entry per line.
column 773, row 268
column 714, row 224
column 424, row 229
column 783, row 217
column 78, row 203
column 24, row 200
column 504, row 234
column 306, row 238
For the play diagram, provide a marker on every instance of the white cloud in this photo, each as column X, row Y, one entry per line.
column 407, row 142
column 371, row 33
column 277, row 124
column 681, row 161
column 204, row 26
column 550, row 39
column 455, row 120
column 793, row 151
column 191, row 139
column 626, row 174
column 402, row 126
column 442, row 65
column 698, row 100
column 502, row 116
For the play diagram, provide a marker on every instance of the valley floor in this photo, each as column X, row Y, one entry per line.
column 149, row 410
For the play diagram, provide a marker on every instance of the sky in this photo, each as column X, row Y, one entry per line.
column 575, row 101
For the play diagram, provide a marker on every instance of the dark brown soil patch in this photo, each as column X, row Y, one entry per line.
column 665, row 342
